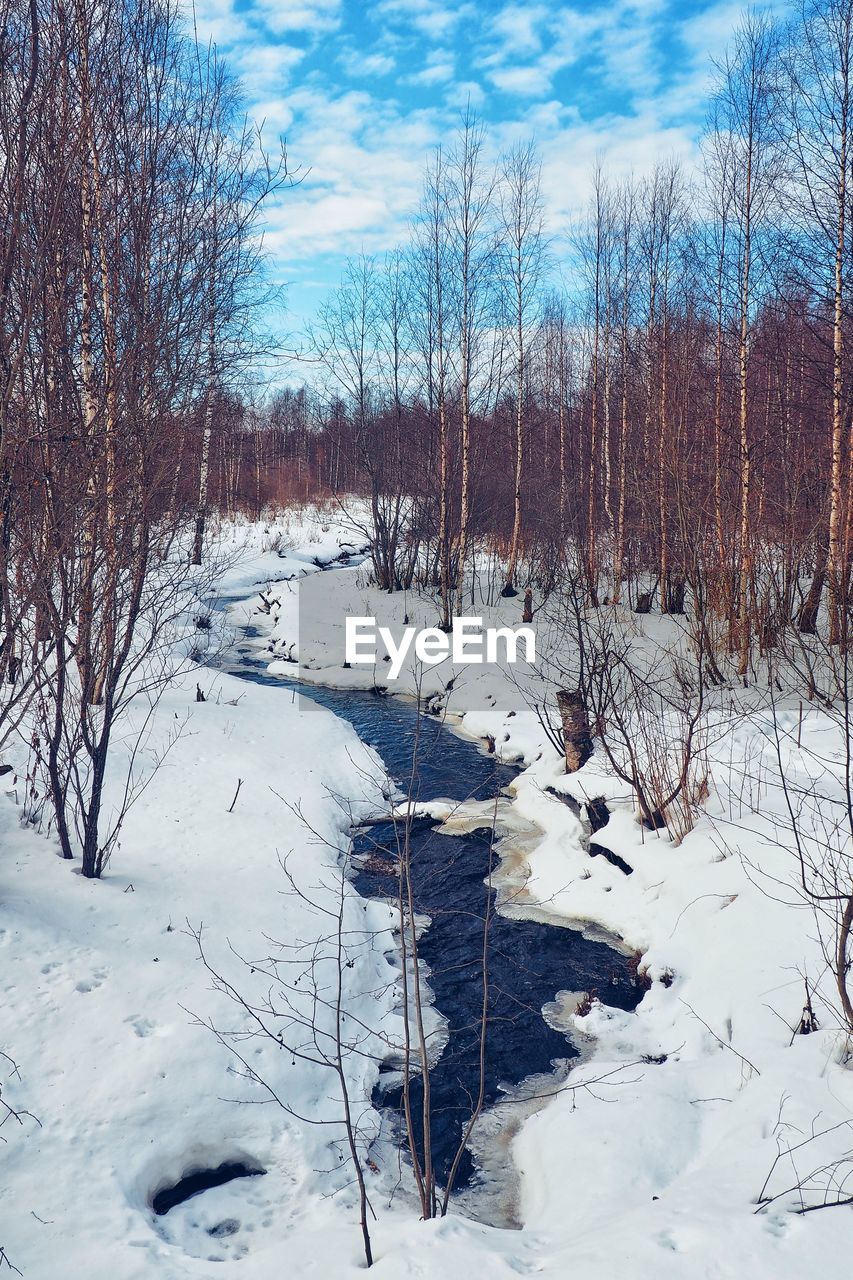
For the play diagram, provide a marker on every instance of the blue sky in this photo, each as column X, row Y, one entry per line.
column 364, row 89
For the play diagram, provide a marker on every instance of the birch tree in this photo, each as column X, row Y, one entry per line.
column 469, row 193
column 818, row 67
column 522, row 237
column 744, row 104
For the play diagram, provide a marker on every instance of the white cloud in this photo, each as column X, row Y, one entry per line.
column 266, row 69
column 706, row 33
column 357, row 63
column 626, row 145
column 431, row 17
column 365, row 159
column 276, row 116
column 526, row 82
column 518, row 28
column 217, row 21
column 464, row 93
column 526, row 47
column 314, row 16
column 439, row 67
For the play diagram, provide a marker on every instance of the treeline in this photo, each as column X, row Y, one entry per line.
column 130, row 186
column 674, row 419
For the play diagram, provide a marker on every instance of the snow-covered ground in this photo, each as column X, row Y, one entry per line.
column 654, row 1173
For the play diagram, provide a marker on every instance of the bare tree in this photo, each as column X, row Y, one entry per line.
column 744, row 106
column 817, row 130
column 523, row 254
column 469, row 194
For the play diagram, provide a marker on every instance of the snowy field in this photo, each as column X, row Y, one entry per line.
column 655, row 1175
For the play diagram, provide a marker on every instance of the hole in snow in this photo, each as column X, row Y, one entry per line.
column 196, row 1180
column 227, row 1227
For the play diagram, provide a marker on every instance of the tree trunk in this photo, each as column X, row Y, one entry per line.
column 807, row 621
column 577, row 735
column 837, row 574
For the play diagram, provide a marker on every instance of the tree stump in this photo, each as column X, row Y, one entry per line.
column 577, row 737
column 527, row 615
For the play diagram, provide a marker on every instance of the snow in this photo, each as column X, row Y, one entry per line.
column 654, row 1171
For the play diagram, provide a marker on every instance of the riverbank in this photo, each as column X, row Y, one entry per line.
column 104, row 993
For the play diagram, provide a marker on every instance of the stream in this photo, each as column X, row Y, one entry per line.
column 529, row 962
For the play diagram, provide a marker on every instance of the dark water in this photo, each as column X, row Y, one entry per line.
column 528, row 962
column 198, row 1180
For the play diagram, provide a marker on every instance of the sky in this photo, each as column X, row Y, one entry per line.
column 363, row 90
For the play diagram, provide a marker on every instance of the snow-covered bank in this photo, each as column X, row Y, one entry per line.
column 655, row 1175
column 665, row 1179
column 102, row 988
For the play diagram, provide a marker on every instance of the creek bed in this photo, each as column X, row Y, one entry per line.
column 529, row 962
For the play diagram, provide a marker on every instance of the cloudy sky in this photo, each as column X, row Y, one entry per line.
column 363, row 89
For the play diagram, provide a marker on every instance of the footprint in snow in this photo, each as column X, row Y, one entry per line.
column 91, row 984
column 143, row 1027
